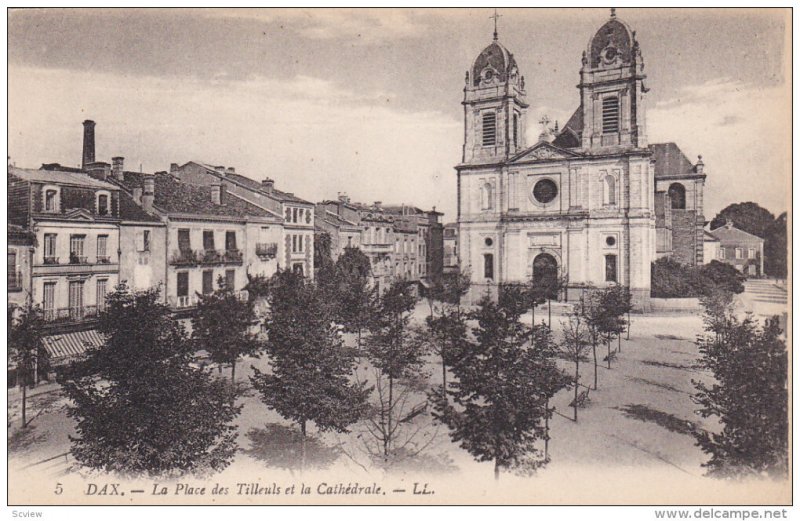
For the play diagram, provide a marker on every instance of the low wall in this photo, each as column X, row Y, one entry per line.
column 685, row 305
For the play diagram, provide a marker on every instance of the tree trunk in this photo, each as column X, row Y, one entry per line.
column 303, row 446
column 496, row 469
column 387, row 435
column 628, row 329
column 444, row 377
column 549, row 313
column 546, row 426
column 359, row 340
column 619, row 342
column 24, row 396
column 575, row 402
column 594, row 355
column 233, row 372
column 608, row 349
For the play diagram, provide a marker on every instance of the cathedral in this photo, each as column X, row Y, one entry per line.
column 593, row 202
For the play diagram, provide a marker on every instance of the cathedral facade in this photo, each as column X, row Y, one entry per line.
column 593, row 203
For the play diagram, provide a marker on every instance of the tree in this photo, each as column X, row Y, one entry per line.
column 574, row 348
column 140, row 403
column 310, row 367
column 748, row 217
column 752, row 218
column 26, row 350
column 749, row 397
column 615, row 303
column 398, row 358
column 446, row 332
column 718, row 310
column 591, row 311
column 775, row 248
column 721, row 275
column 500, row 393
column 356, row 299
column 223, row 326
column 322, row 249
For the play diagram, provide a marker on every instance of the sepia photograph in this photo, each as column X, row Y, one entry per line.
column 400, row 256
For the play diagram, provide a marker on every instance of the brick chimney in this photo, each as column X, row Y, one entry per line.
column 88, row 143
column 230, row 170
column 268, row 184
column 377, row 205
column 117, row 164
column 173, row 167
column 137, row 194
column 149, row 192
column 98, row 170
column 216, row 193
column 220, row 169
column 343, row 197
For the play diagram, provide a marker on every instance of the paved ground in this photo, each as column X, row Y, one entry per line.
column 640, row 419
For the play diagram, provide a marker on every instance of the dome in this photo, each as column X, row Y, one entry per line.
column 613, row 44
column 494, row 63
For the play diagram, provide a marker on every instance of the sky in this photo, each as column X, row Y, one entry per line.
column 368, row 102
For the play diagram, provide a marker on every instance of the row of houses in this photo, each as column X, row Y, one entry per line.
column 75, row 233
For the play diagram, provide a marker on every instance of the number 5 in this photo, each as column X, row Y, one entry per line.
column 59, row 489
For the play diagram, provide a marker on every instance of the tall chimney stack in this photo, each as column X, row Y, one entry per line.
column 88, row 142
column 268, row 184
column 117, row 164
column 149, row 192
column 216, row 190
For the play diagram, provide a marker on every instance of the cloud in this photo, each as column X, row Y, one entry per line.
column 743, row 132
column 316, row 138
column 361, row 26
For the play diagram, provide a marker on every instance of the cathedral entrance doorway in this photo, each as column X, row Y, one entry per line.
column 545, row 274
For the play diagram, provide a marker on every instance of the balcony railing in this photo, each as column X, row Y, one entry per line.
column 232, row 256
column 51, row 260
column 267, row 249
column 78, row 259
column 15, row 281
column 184, row 258
column 103, row 259
column 72, row 314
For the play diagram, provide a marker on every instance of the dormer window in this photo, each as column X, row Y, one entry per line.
column 610, row 115
column 51, row 200
column 102, row 204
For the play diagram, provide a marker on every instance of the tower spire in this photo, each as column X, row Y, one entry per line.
column 495, row 16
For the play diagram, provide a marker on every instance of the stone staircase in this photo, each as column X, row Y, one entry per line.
column 766, row 290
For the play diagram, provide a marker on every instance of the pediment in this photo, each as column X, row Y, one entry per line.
column 544, row 151
column 80, row 214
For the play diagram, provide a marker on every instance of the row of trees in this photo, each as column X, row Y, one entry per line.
column 748, row 395
column 144, row 402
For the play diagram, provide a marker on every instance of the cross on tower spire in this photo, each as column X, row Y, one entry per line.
column 495, row 16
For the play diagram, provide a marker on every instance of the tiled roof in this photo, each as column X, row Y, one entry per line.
column 59, row 177
column 709, row 237
column 175, row 196
column 670, row 160
column 20, row 232
column 256, row 186
column 335, row 219
column 130, row 211
column 569, row 137
column 732, row 234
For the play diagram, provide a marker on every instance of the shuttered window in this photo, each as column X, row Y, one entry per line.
column 489, row 128
column 183, row 284
column 208, row 282
column 184, row 242
column 610, row 115
column 230, row 240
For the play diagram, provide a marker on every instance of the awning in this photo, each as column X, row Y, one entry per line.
column 71, row 345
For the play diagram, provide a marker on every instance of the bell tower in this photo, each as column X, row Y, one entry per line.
column 612, row 89
column 494, row 106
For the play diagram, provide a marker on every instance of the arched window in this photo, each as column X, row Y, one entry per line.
column 609, row 190
column 486, row 196
column 677, row 196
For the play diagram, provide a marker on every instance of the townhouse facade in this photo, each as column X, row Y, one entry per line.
column 291, row 216
column 740, row 249
column 74, row 220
